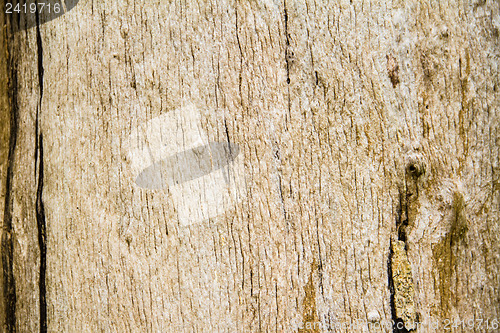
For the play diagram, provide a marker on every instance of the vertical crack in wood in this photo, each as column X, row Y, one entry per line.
column 40, row 54
column 391, row 291
column 400, row 279
column 401, row 290
column 240, row 78
column 287, row 58
column 287, row 46
column 7, row 248
column 40, row 209
column 402, row 217
column 40, row 218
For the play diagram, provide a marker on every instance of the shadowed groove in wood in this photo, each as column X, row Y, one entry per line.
column 390, row 283
column 42, row 239
column 40, row 209
column 7, row 250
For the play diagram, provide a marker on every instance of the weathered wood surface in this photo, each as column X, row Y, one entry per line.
column 4, row 152
column 358, row 123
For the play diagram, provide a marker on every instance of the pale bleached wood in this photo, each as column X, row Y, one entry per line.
column 355, row 120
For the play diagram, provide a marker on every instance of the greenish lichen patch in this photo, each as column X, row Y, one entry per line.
column 444, row 253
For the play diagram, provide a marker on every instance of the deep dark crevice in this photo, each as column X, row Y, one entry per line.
column 8, row 235
column 401, row 225
column 227, row 137
column 9, row 283
column 287, row 46
column 40, row 219
column 398, row 324
column 402, row 216
column 40, row 209
column 287, row 58
column 40, row 54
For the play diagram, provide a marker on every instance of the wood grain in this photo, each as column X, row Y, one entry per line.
column 334, row 105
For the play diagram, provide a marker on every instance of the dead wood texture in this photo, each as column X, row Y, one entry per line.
column 367, row 132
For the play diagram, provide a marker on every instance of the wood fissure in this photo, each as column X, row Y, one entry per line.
column 9, row 283
column 40, row 209
column 395, row 320
column 7, row 245
column 400, row 280
column 40, row 55
column 287, row 44
column 42, row 237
